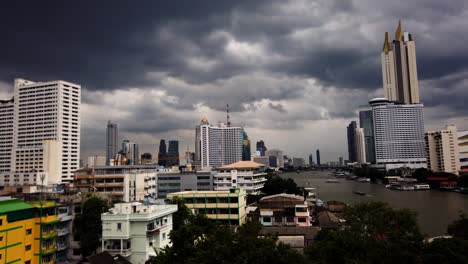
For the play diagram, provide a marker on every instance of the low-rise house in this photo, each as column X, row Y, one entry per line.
column 136, row 231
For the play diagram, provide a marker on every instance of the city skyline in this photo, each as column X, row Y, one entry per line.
column 278, row 77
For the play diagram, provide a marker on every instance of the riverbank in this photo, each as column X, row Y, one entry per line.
column 436, row 209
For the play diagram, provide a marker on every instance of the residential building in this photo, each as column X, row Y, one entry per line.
column 173, row 154
column 136, row 231
column 146, row 158
column 170, row 182
column 398, row 134
column 360, row 146
column 442, row 150
column 279, row 157
column 298, row 163
column 219, row 145
column 261, row 147
column 246, row 153
column 45, row 129
column 317, row 154
column 281, row 210
column 111, row 138
column 352, row 147
column 247, row 175
column 130, row 151
column 96, row 161
column 463, row 148
column 226, row 207
column 366, row 122
column 123, row 183
column 399, row 71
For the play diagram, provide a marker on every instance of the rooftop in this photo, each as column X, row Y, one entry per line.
column 11, row 204
column 243, row 165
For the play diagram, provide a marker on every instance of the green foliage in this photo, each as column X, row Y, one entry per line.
column 88, row 225
column 275, row 185
column 459, row 228
column 445, row 251
column 463, row 181
column 421, row 174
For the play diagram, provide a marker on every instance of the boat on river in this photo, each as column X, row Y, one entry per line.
column 400, row 187
column 359, row 193
column 332, row 181
column 420, row 187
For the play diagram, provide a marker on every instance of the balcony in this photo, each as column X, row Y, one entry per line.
column 63, row 231
column 124, row 252
column 49, row 249
column 62, row 246
column 50, row 219
column 49, row 234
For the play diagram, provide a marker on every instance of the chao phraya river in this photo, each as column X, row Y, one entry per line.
column 436, row 209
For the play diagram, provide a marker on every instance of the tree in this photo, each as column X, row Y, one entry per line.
column 275, row 185
column 459, row 228
column 421, row 174
column 446, row 251
column 88, row 225
column 374, row 233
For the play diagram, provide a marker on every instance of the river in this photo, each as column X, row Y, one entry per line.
column 436, row 209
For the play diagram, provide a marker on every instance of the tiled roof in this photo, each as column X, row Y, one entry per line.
column 243, row 164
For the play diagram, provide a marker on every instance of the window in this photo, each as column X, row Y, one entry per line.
column 301, row 220
column 28, row 231
column 267, row 219
column 27, row 262
column 1, row 238
column 1, row 222
column 27, row 248
column 164, row 236
column 119, row 226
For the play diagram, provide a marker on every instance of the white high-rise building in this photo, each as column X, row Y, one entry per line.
column 442, row 150
column 463, row 148
column 247, row 175
column 399, row 71
column 398, row 134
column 6, row 134
column 45, row 143
column 218, row 145
column 360, row 146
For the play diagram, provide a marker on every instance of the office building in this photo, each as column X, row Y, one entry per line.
column 399, row 71
column 111, row 139
column 218, row 145
column 123, row 183
column 96, row 161
column 442, row 150
column 261, row 147
column 170, row 182
column 360, row 146
column 398, row 134
column 247, row 175
column 352, row 147
column 173, row 154
column 317, row 154
column 136, row 231
column 146, row 158
column 279, row 157
column 311, row 159
column 226, row 207
column 463, row 148
column 40, row 133
column 366, row 122
column 130, row 152
column 162, row 155
column 246, row 153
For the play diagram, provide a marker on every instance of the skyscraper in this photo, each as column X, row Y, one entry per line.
column 131, row 151
column 173, row 153
column 311, row 159
column 352, row 147
column 463, row 148
column 162, row 155
column 442, row 150
column 360, row 146
column 41, row 135
column 366, row 122
column 111, row 139
column 398, row 134
column 399, row 72
column 246, row 154
column 261, row 147
column 318, row 156
column 219, row 145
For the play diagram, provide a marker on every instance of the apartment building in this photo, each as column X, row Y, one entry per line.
column 136, row 231
column 442, row 150
column 247, row 175
column 227, row 207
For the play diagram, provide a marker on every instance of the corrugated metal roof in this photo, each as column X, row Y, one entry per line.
column 11, row 205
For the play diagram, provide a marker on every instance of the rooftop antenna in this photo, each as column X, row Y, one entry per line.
column 228, row 119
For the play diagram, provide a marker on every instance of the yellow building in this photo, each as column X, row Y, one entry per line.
column 227, row 207
column 21, row 239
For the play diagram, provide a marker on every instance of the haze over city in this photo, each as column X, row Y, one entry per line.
column 293, row 72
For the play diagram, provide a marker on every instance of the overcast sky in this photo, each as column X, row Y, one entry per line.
column 294, row 72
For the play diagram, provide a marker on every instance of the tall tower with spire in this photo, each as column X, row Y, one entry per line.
column 399, row 71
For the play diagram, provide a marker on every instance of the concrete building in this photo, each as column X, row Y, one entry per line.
column 131, row 152
column 463, row 148
column 111, row 139
column 183, row 181
column 367, row 123
column 298, row 163
column 173, row 153
column 218, row 145
column 41, row 125
column 281, row 210
column 247, row 175
column 317, row 155
column 398, row 134
column 136, row 231
column 279, row 156
column 360, row 146
column 399, row 71
column 96, row 161
column 146, row 158
column 123, row 183
column 227, row 207
column 352, row 146
column 442, row 150
column 261, row 147
column 264, row 160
